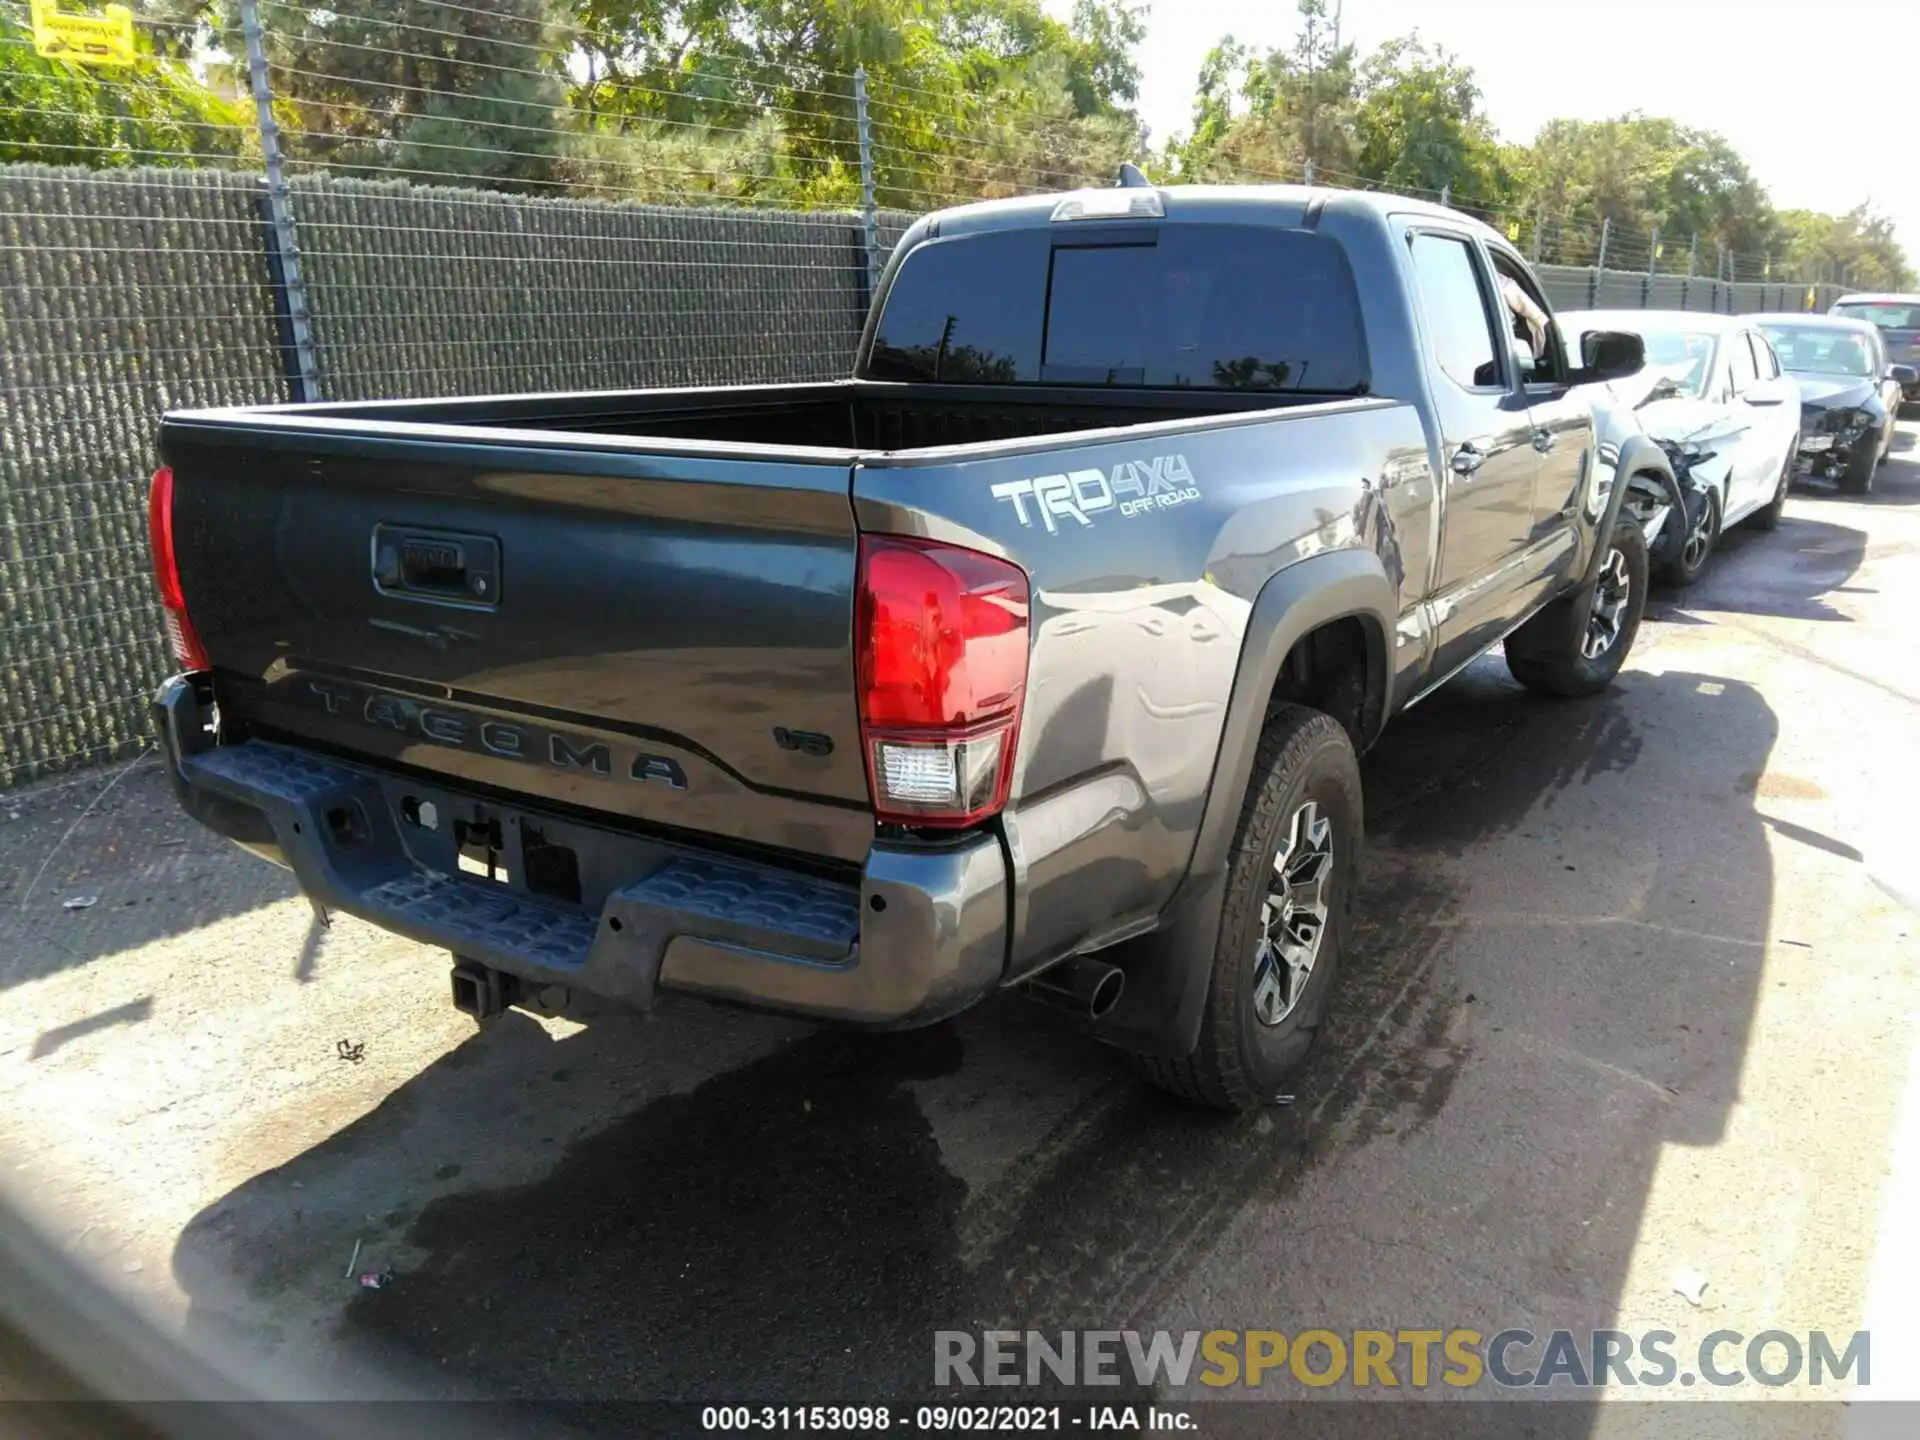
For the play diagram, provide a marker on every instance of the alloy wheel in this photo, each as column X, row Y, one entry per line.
column 1693, row 554
column 1293, row 916
column 1612, row 589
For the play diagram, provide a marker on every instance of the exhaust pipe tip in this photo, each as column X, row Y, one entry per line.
column 1087, row 989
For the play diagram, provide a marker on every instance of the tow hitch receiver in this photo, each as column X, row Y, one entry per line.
column 481, row 991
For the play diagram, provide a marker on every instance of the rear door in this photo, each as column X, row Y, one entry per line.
column 1748, row 439
column 1773, row 404
column 1489, row 464
column 583, row 622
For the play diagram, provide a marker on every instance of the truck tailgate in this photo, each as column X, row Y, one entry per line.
column 658, row 637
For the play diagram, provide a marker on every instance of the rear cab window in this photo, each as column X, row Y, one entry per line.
column 1164, row 306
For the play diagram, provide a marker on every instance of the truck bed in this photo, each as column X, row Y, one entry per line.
column 840, row 416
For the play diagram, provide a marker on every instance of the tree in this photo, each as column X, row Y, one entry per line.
column 155, row 112
column 1420, row 128
column 1857, row 249
column 965, row 96
column 423, row 91
column 1264, row 117
column 1639, row 172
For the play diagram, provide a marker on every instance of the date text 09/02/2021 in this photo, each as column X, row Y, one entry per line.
column 867, row 1419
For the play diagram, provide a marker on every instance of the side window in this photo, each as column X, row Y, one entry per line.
column 1741, row 365
column 1453, row 296
column 1763, row 356
column 1529, row 322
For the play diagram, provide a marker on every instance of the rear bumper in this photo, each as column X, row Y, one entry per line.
column 921, row 936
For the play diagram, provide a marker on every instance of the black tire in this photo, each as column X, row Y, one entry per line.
column 1767, row 517
column 1857, row 478
column 1698, row 539
column 1305, row 759
column 1549, row 653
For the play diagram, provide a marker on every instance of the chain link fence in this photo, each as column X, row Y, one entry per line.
column 273, row 242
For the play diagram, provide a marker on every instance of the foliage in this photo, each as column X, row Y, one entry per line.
column 421, row 90
column 1409, row 118
column 967, row 97
column 1260, row 118
column 1858, row 245
column 1421, row 128
column 1639, row 173
column 153, row 113
column 751, row 102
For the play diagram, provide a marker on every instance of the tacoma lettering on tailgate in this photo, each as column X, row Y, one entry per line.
column 504, row 740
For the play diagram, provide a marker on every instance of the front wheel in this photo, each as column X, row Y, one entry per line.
column 1697, row 543
column 1577, row 645
column 1857, row 478
column 1289, row 881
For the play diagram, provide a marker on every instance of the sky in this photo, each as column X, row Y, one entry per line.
column 1823, row 99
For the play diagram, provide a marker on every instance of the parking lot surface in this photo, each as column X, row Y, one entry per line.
column 1632, row 995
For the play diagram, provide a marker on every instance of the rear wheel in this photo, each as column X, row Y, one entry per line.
column 1768, row 516
column 1577, row 645
column 1289, row 882
column 1697, row 541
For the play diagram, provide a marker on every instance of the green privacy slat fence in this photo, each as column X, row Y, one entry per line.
column 125, row 293
column 417, row 291
column 129, row 292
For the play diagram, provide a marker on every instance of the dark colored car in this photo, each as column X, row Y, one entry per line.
column 1897, row 317
column 1849, row 394
column 1037, row 653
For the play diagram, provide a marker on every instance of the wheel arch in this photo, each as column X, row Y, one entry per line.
column 1167, row 970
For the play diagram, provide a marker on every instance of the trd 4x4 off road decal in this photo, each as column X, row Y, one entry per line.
column 1133, row 487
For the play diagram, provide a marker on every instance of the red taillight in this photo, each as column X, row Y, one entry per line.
column 187, row 648
column 942, row 642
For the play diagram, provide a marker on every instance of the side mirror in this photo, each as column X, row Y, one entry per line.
column 1523, row 362
column 1611, row 355
column 1903, row 375
column 1771, row 392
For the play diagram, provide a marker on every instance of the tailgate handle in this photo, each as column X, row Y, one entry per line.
column 437, row 566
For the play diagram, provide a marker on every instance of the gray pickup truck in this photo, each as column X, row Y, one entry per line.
column 1037, row 653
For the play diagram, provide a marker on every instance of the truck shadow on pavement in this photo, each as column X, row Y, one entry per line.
column 138, row 869
column 1551, row 977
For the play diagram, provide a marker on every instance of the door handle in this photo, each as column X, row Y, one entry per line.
column 1543, row 441
column 1466, row 460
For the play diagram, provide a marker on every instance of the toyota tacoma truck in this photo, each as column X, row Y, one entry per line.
column 1036, row 653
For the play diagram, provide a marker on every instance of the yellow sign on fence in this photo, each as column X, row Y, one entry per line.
column 104, row 39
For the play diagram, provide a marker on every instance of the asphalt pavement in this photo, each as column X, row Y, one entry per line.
column 1632, row 1002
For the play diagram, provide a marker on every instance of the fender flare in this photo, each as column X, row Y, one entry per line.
column 1168, row 969
column 1638, row 456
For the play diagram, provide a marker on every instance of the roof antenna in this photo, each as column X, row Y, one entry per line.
column 1131, row 178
